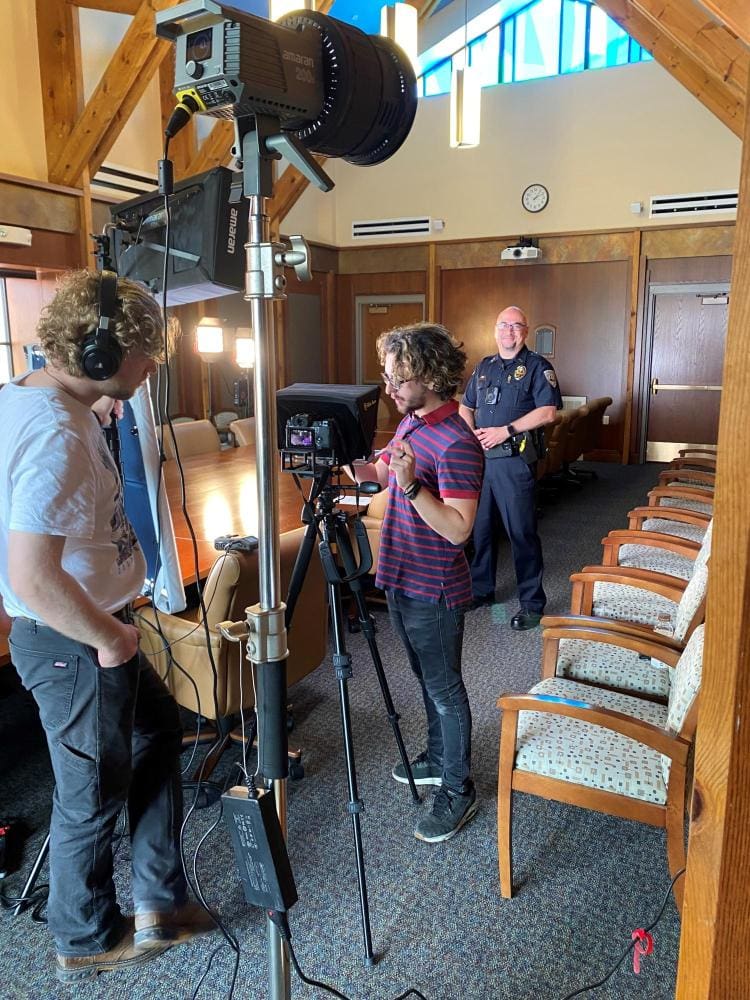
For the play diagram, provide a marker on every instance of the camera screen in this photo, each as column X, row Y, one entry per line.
column 301, row 438
column 198, row 46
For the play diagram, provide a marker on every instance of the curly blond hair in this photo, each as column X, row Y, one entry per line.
column 74, row 312
column 426, row 352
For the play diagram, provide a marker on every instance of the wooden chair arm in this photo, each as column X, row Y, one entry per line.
column 652, row 736
column 697, row 457
column 635, row 577
column 682, row 515
column 613, row 626
column 653, row 539
column 679, row 493
column 643, row 645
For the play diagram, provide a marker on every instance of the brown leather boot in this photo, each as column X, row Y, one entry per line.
column 160, row 930
column 75, row 968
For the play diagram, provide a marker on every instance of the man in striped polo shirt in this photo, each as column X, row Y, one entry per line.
column 433, row 470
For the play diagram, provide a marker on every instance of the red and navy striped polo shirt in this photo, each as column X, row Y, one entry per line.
column 413, row 558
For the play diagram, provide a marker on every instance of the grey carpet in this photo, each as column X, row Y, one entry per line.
column 582, row 881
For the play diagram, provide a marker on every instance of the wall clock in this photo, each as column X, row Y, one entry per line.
column 535, row 198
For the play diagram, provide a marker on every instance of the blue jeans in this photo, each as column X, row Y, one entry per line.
column 114, row 738
column 433, row 635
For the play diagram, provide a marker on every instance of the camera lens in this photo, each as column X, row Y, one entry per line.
column 517, row 251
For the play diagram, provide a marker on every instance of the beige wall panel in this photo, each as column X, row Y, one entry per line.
column 555, row 250
column 586, row 136
column 314, row 214
column 21, row 120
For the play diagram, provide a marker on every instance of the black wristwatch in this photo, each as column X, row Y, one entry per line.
column 511, row 430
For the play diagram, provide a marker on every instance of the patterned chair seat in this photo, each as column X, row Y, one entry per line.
column 692, row 531
column 658, row 560
column 585, row 754
column 623, row 603
column 700, row 483
column 613, row 666
column 703, row 508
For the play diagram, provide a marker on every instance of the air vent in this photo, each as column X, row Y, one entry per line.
column 693, row 204
column 113, row 183
column 413, row 226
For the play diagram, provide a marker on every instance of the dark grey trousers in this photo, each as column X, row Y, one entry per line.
column 114, row 739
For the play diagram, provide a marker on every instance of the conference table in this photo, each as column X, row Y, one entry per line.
column 221, row 499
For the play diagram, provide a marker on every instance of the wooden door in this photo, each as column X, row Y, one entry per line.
column 375, row 317
column 689, row 332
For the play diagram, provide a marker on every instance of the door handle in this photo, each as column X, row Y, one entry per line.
column 656, row 386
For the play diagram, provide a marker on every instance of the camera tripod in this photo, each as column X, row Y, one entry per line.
column 331, row 525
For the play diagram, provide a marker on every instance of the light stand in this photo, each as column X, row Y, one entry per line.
column 258, row 142
column 244, row 358
column 209, row 343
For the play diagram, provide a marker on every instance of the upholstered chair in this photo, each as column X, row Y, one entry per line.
column 601, row 750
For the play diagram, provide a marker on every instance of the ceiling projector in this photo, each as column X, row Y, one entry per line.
column 521, row 252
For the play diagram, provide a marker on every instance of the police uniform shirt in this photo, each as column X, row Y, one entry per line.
column 501, row 390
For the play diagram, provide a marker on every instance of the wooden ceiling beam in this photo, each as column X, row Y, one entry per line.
column 717, row 49
column 735, row 14
column 59, row 67
column 122, row 85
column 110, row 6
column 718, row 97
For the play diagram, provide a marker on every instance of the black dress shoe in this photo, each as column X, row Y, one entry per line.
column 483, row 601
column 524, row 620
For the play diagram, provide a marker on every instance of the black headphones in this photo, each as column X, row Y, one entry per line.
column 101, row 354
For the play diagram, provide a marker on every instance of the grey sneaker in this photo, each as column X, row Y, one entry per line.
column 424, row 772
column 450, row 811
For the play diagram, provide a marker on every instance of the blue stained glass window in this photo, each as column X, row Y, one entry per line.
column 509, row 33
column 544, row 38
column 573, row 47
column 608, row 43
column 485, row 53
column 538, row 40
column 438, row 80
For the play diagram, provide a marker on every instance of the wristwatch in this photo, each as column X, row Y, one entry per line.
column 511, row 430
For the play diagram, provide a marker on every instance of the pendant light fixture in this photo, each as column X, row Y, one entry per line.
column 398, row 21
column 465, row 98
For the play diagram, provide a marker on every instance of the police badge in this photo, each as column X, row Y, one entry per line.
column 519, row 373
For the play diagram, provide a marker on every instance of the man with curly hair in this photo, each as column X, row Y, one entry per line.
column 70, row 565
column 433, row 471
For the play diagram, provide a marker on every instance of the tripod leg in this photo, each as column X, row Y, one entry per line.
column 347, row 557
column 33, row 876
column 343, row 665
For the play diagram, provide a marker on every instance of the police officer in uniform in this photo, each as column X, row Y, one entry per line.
column 510, row 396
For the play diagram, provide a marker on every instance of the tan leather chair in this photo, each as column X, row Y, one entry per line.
column 194, row 438
column 232, row 585
column 373, row 521
column 574, row 443
column 592, row 435
column 243, row 431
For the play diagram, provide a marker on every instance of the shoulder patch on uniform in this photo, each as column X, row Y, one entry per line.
column 549, row 374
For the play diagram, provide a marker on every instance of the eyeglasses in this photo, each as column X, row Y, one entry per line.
column 394, row 381
column 515, row 327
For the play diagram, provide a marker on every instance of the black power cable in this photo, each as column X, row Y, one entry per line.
column 281, row 921
column 621, row 959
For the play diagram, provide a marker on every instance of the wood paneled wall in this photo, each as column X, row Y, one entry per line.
column 588, row 303
column 348, row 287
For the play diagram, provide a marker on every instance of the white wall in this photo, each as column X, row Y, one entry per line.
column 21, row 120
column 597, row 140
